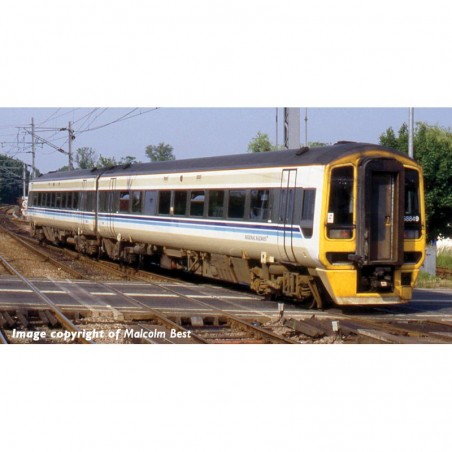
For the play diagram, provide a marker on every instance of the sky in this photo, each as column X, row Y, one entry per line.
column 193, row 132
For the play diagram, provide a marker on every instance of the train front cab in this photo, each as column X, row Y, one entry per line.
column 373, row 240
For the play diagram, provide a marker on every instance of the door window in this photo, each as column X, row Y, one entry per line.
column 340, row 207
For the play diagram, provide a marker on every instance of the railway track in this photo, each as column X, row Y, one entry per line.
column 77, row 333
column 218, row 326
column 375, row 328
column 214, row 326
column 223, row 328
column 76, row 264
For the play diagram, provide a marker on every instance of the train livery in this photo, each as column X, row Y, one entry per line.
column 343, row 223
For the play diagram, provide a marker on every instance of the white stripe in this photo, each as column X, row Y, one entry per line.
column 17, row 290
column 30, row 291
column 183, row 309
column 155, row 295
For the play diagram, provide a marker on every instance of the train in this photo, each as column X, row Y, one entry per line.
column 342, row 224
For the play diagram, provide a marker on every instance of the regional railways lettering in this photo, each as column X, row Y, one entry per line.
column 256, row 238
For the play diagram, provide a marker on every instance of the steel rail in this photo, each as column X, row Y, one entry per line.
column 43, row 254
column 384, row 325
column 158, row 315
column 110, row 267
column 58, row 313
column 264, row 334
column 3, row 339
column 268, row 335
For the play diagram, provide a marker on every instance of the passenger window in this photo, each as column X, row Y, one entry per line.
column 180, row 202
column 236, row 208
column 164, row 202
column 76, row 199
column 124, row 201
column 69, row 200
column 216, row 201
column 340, row 208
column 259, row 205
column 102, row 201
column 136, row 201
column 307, row 212
column 149, row 204
column 197, row 203
column 90, row 201
column 63, row 200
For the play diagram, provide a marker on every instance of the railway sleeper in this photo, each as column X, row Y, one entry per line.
column 6, row 319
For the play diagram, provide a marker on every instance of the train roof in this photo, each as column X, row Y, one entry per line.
column 303, row 156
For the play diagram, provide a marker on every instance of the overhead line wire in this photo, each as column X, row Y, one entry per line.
column 120, row 119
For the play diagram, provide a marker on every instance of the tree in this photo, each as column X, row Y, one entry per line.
column 128, row 159
column 85, row 158
column 433, row 151
column 160, row 153
column 260, row 143
column 11, row 184
column 105, row 162
column 316, row 144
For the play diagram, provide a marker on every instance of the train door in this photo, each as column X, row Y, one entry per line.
column 286, row 213
column 381, row 211
column 111, row 206
column 82, row 201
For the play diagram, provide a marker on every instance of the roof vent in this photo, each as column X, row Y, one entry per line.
column 302, row 150
column 344, row 142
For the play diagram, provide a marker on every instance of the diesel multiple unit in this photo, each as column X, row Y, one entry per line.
column 344, row 223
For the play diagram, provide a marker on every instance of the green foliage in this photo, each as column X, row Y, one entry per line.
column 128, row 159
column 85, row 158
column 105, row 162
column 316, row 144
column 11, row 185
column 160, row 152
column 260, row 143
column 433, row 151
column 444, row 258
column 426, row 281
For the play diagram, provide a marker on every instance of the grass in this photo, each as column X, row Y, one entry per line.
column 426, row 281
column 444, row 258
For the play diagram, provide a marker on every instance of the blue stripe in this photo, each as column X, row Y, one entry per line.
column 201, row 224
